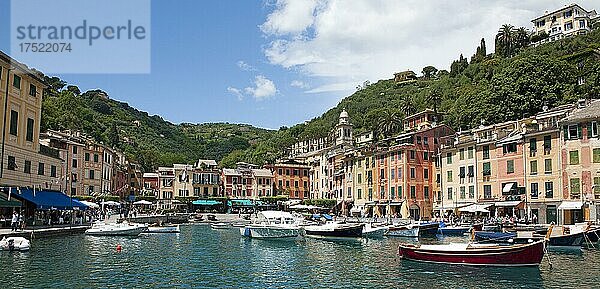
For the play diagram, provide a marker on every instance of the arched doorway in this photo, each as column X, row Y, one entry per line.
column 415, row 212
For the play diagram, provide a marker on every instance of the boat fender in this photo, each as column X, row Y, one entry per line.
column 119, row 248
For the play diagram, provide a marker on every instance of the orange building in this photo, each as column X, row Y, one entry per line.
column 291, row 178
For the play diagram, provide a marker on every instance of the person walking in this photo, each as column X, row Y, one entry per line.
column 14, row 221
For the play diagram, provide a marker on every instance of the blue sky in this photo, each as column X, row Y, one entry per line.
column 274, row 63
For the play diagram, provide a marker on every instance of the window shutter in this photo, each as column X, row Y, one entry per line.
column 566, row 132
column 579, row 133
column 589, row 130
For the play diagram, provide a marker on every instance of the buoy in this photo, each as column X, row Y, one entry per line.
column 119, row 248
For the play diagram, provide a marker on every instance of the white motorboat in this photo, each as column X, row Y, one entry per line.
column 218, row 226
column 272, row 224
column 15, row 244
column 120, row 229
column 163, row 229
column 370, row 231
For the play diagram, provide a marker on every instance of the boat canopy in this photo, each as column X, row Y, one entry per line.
column 570, row 205
column 48, row 200
column 206, row 202
column 276, row 215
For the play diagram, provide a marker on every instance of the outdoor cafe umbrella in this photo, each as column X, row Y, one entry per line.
column 90, row 204
column 142, row 202
column 404, row 210
column 110, row 203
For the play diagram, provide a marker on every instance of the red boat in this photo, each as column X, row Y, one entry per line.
column 475, row 254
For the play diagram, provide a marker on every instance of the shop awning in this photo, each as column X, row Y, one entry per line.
column 508, row 203
column 474, row 208
column 240, row 203
column 5, row 203
column 508, row 187
column 48, row 200
column 570, row 205
column 449, row 206
column 206, row 202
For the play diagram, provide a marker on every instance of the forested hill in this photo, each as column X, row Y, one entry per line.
column 148, row 140
column 515, row 82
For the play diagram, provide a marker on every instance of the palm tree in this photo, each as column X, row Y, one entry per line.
column 406, row 106
column 389, row 123
column 435, row 98
column 505, row 39
column 521, row 37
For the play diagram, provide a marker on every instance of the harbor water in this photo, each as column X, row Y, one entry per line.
column 201, row 257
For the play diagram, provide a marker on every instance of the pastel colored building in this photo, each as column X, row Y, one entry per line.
column 567, row 21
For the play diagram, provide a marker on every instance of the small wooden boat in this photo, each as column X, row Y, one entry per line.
column 483, row 236
column 334, row 230
column 428, row 229
column 409, row 231
column 474, row 254
column 218, row 226
column 14, row 244
column 453, row 230
column 592, row 235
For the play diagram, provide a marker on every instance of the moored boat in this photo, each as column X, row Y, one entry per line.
column 370, row 231
column 15, row 244
column 409, row 231
column 218, row 226
column 529, row 254
column 272, row 224
column 120, row 229
column 484, row 236
column 592, row 235
column 334, row 230
column 453, row 230
column 428, row 229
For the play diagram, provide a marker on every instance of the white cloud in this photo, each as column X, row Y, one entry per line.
column 299, row 84
column 235, row 91
column 263, row 88
column 290, row 17
column 245, row 66
column 341, row 43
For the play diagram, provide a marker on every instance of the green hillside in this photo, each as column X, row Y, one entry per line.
column 488, row 89
column 511, row 84
column 149, row 140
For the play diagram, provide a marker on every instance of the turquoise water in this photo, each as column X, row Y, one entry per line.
column 202, row 257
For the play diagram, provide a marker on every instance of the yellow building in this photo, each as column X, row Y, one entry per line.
column 24, row 162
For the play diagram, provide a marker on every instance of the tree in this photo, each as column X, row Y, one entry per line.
column 74, row 89
column 480, row 53
column 435, row 98
column 458, row 66
column 429, row 72
column 504, row 40
column 521, row 38
column 390, row 122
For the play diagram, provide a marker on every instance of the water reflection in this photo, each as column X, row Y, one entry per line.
column 202, row 257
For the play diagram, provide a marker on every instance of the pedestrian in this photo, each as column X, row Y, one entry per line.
column 14, row 220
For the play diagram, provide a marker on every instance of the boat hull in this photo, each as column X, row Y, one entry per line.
column 116, row 232
column 454, row 231
column 403, row 232
column 18, row 244
column 517, row 255
column 572, row 240
column 482, row 236
column 593, row 235
column 338, row 232
column 428, row 230
column 269, row 232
